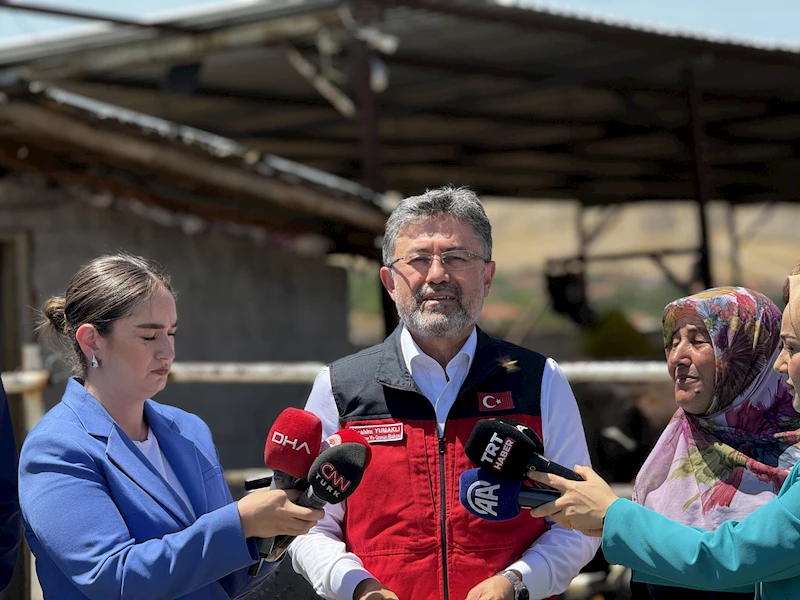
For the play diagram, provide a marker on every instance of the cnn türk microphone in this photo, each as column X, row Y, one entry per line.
column 490, row 498
column 292, row 445
column 345, row 436
column 333, row 477
column 509, row 449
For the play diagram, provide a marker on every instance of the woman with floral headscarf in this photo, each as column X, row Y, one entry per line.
column 727, row 460
column 733, row 440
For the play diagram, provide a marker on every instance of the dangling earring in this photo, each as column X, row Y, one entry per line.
column 95, row 364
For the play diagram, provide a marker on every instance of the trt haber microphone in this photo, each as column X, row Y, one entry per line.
column 493, row 499
column 537, row 461
column 509, row 450
column 293, row 443
column 333, row 477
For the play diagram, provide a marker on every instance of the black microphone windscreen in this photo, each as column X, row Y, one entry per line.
column 500, row 448
column 538, row 445
column 337, row 471
column 538, row 462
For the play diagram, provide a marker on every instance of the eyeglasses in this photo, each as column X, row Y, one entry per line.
column 452, row 260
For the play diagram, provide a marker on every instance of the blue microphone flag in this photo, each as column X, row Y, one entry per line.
column 488, row 497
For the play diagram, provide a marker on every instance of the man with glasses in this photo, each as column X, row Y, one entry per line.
column 416, row 397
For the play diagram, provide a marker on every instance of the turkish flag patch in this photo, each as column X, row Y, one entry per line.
column 488, row 402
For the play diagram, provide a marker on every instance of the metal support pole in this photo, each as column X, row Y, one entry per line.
column 701, row 172
column 736, row 265
column 371, row 163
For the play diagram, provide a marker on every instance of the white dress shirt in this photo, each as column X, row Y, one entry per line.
column 547, row 567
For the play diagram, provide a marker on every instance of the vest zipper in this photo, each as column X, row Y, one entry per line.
column 443, row 515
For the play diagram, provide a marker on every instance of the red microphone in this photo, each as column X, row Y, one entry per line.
column 333, row 477
column 292, row 446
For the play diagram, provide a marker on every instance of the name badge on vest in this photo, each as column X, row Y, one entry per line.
column 377, row 434
column 488, row 402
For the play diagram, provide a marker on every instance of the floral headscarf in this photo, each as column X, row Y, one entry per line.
column 722, row 465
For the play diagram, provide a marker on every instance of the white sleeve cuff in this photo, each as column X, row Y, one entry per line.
column 346, row 576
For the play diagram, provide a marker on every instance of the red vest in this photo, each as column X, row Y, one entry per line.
column 405, row 520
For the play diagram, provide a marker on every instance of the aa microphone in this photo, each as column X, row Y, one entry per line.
column 493, row 499
column 293, row 444
column 509, row 449
column 332, row 478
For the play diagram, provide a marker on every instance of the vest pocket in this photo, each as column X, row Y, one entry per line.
column 389, row 512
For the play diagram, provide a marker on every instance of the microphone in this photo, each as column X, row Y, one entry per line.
column 347, row 436
column 508, row 449
column 293, row 443
column 493, row 499
column 332, row 478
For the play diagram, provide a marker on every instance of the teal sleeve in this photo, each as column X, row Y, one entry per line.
column 655, row 580
column 762, row 547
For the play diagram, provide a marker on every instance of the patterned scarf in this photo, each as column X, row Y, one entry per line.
column 720, row 466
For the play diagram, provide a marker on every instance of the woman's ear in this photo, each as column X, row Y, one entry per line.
column 89, row 339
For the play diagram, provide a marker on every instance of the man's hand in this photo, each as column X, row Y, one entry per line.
column 372, row 589
column 496, row 587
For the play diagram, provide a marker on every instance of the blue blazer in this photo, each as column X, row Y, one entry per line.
column 10, row 532
column 762, row 549
column 104, row 524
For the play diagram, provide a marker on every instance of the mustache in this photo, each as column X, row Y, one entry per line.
column 450, row 288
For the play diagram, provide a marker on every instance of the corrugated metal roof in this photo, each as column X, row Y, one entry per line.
column 73, row 159
column 102, row 35
column 234, row 12
column 648, row 27
column 514, row 99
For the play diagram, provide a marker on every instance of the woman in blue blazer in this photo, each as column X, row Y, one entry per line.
column 123, row 497
column 761, row 549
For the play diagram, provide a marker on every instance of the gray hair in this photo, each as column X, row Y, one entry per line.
column 459, row 203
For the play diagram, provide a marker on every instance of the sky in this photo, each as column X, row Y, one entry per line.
column 766, row 20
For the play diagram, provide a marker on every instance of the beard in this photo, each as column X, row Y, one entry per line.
column 434, row 322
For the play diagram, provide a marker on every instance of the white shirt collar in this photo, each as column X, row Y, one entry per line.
column 411, row 350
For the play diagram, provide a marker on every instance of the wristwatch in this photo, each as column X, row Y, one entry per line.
column 520, row 591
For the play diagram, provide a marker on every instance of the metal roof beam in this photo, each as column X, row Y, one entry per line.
column 155, row 155
column 617, row 35
column 91, row 16
column 173, row 49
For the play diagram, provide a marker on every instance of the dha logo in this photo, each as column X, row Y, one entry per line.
column 497, row 451
column 482, row 497
column 283, row 440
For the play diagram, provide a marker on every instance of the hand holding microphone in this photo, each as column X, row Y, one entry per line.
column 267, row 513
column 293, row 443
column 333, row 476
column 582, row 505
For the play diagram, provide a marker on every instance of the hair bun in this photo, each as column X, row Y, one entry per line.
column 53, row 311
